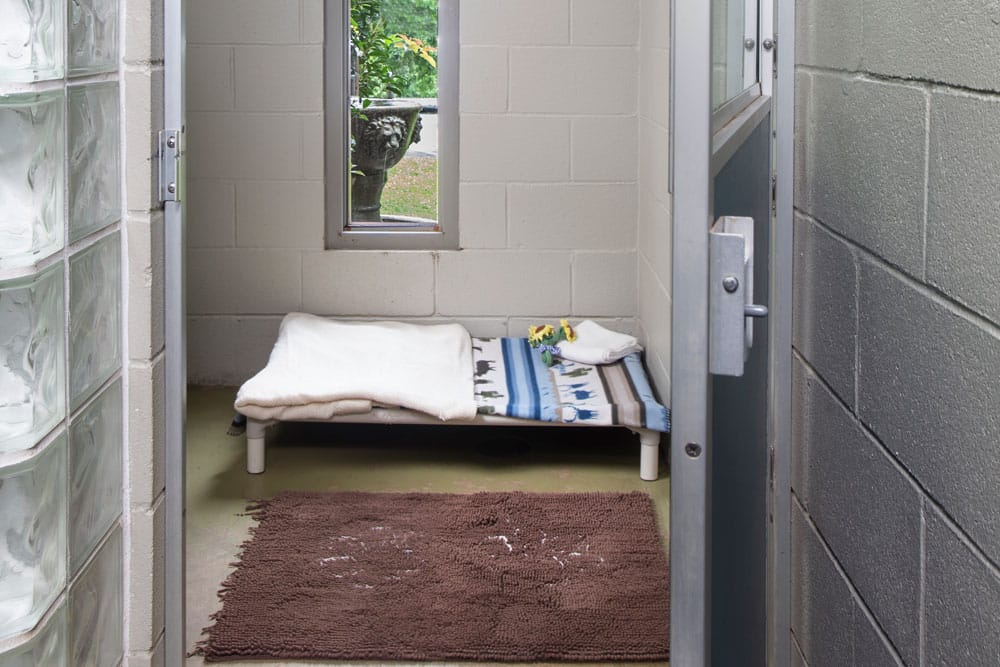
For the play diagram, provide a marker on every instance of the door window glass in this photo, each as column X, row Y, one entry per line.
column 734, row 48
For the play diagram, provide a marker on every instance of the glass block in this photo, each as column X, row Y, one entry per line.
column 32, row 358
column 93, row 36
column 47, row 646
column 94, row 317
column 95, row 608
column 31, row 40
column 95, row 473
column 32, row 177
column 94, row 181
column 32, row 537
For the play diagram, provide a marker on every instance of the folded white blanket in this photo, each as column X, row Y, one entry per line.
column 320, row 367
column 596, row 345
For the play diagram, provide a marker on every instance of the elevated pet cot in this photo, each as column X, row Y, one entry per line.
column 323, row 370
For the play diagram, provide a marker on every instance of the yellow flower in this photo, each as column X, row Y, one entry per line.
column 536, row 334
column 568, row 330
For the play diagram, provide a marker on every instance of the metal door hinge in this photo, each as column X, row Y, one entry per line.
column 170, row 154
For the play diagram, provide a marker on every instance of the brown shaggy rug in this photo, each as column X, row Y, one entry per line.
column 489, row 576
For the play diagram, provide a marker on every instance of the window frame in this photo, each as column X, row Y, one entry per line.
column 336, row 76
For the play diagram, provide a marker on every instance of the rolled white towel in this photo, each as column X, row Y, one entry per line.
column 596, row 345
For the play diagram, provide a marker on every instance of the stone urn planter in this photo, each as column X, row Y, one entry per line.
column 382, row 132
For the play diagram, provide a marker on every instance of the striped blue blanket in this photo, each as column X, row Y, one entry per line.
column 512, row 380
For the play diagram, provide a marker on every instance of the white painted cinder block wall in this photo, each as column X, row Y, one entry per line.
column 655, row 227
column 550, row 192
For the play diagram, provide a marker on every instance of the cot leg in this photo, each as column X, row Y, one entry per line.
column 255, row 446
column 649, row 462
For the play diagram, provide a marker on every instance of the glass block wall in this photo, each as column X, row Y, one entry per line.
column 61, row 386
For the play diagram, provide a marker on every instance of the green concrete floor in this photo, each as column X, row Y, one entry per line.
column 377, row 458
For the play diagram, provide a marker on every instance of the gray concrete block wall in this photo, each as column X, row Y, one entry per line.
column 897, row 333
column 549, row 178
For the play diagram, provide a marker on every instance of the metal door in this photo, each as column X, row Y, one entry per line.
column 731, row 147
column 171, row 178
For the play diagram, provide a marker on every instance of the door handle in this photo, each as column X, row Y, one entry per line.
column 731, row 302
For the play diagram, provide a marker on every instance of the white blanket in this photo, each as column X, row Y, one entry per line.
column 320, row 367
column 596, row 345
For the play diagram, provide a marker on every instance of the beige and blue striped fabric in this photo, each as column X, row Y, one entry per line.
column 512, row 380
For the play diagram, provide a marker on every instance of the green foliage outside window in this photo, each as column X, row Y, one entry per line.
column 417, row 19
column 388, row 33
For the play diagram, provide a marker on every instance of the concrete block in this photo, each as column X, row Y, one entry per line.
column 828, row 34
column 484, row 327
column 870, row 647
column 143, row 94
column 954, row 42
column 572, row 216
column 822, row 608
column 929, row 391
column 154, row 658
column 280, row 214
column 862, row 504
column 654, row 85
column 574, row 80
column 482, row 215
column 865, row 143
column 244, row 146
column 963, row 237
column 211, row 214
column 483, row 22
column 655, row 234
column 145, row 553
column 243, row 22
column 143, row 37
column 487, row 282
column 962, row 596
column 228, row 350
column 798, row 660
column 144, row 253
column 210, row 80
column 146, row 431
column 362, row 282
column 279, row 78
column 258, row 281
column 605, row 149
column 483, row 85
column 604, row 22
column 654, row 160
column 604, row 283
column 653, row 308
column 654, row 24
column 824, row 307
column 313, row 146
column 801, row 170
column 514, row 148
column 312, row 22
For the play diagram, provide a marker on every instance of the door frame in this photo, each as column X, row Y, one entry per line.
column 691, row 451
column 175, row 333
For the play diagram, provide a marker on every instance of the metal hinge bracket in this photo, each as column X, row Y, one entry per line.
column 170, row 164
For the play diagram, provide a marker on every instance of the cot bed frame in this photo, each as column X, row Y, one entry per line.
column 649, row 458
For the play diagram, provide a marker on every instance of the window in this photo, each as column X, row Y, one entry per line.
column 391, row 104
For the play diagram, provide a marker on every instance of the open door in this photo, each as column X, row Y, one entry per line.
column 171, row 186
column 731, row 142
